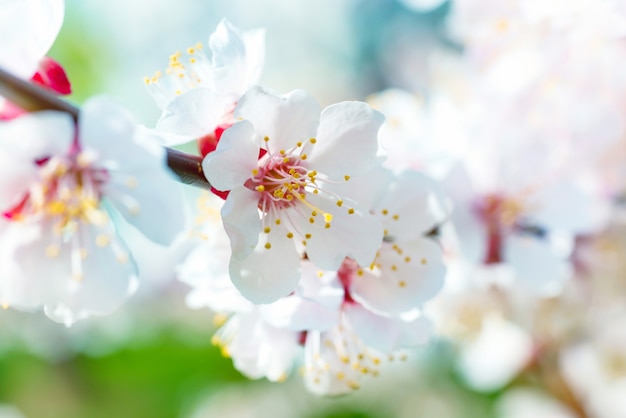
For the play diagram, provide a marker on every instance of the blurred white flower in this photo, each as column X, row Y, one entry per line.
column 58, row 245
column 277, row 203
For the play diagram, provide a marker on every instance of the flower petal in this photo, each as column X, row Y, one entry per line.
column 233, row 160
column 27, row 29
column 284, row 119
column 413, row 206
column 347, row 139
column 240, row 216
column 536, row 265
column 141, row 186
column 238, row 59
column 26, row 140
column 268, row 274
column 406, row 276
column 192, row 115
column 353, row 233
column 314, row 305
column 387, row 334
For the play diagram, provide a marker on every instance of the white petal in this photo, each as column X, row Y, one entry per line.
column 357, row 235
column 235, row 157
column 387, row 334
column 285, row 119
column 414, row 206
column 242, row 223
column 141, row 186
column 238, row 58
column 110, row 277
column 496, row 356
column 266, row 275
column 258, row 349
column 347, row 139
column 27, row 29
column 536, row 265
column 397, row 286
column 566, row 207
column 314, row 305
column 193, row 114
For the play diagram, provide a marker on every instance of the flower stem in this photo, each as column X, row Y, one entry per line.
column 33, row 98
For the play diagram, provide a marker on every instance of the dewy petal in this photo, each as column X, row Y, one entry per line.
column 238, row 58
column 25, row 140
column 235, row 157
column 285, row 119
column 405, row 277
column 353, row 233
column 347, row 139
column 387, row 334
column 141, row 187
column 268, row 274
column 240, row 216
column 536, row 265
column 192, row 115
column 27, row 29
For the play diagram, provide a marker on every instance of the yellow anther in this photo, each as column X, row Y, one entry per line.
column 402, row 283
column 312, row 140
column 424, row 261
column 340, row 203
column 359, row 272
column 384, row 211
column 303, row 157
column 341, row 375
column 307, row 236
column 311, row 220
column 268, row 245
column 190, row 50
column 304, row 242
column 146, row 80
column 267, row 138
column 396, row 217
column 289, row 235
column 298, row 144
column 328, row 217
column 255, row 171
column 346, row 178
column 320, row 274
column 267, row 229
column 282, row 152
column 199, row 45
column 407, row 259
column 192, row 60
column 178, row 92
column 277, row 221
column 260, row 188
column 350, row 211
column 289, row 197
column 52, row 251
column 327, row 225
column 394, row 267
column 316, row 191
column 102, row 240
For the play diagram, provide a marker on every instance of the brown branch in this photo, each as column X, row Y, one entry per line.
column 32, row 97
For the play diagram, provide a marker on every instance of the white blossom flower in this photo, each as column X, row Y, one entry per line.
column 59, row 191
column 277, row 205
column 198, row 94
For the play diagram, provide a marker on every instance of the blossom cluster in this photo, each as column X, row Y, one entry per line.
column 337, row 238
column 323, row 251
